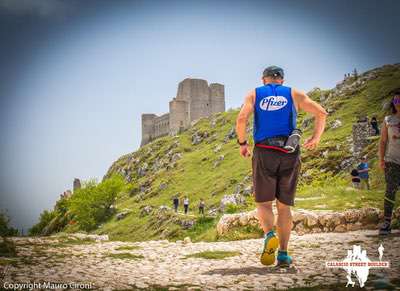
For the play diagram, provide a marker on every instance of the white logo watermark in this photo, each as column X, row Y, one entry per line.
column 358, row 264
column 272, row 103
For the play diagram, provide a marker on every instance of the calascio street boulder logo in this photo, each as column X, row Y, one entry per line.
column 358, row 264
column 272, row 103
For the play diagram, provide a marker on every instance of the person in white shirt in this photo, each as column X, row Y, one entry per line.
column 186, row 204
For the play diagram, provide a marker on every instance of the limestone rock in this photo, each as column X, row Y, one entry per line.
column 340, row 228
column 351, row 215
column 186, row 224
column 163, row 186
column 235, row 199
column 306, row 123
column 311, row 219
column 176, row 157
column 213, row 212
column 231, row 134
column 146, row 210
column 217, row 148
column 298, row 217
column 248, row 190
column 196, row 138
column 336, row 123
column 142, row 170
column 163, row 208
column 123, row 214
column 82, row 236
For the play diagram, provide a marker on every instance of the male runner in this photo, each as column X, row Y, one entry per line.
column 275, row 170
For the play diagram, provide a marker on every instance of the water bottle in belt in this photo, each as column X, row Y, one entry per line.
column 293, row 141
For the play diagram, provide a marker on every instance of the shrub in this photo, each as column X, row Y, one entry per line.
column 45, row 218
column 90, row 205
column 5, row 229
column 232, row 208
column 7, row 248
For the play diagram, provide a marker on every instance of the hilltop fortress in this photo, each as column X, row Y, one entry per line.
column 195, row 99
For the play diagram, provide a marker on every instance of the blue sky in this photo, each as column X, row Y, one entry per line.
column 78, row 74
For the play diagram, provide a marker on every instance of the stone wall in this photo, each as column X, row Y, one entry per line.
column 194, row 99
column 305, row 221
column 161, row 125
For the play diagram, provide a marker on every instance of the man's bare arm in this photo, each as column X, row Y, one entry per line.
column 241, row 122
column 307, row 104
column 244, row 115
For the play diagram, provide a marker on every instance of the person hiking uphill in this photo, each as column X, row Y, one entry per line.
column 275, row 165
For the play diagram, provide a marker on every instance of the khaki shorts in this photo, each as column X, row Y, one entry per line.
column 275, row 175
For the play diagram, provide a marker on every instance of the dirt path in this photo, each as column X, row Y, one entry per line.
column 156, row 264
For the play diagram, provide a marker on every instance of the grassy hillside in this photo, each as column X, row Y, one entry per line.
column 212, row 167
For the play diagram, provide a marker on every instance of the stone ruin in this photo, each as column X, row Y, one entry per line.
column 68, row 193
column 195, row 99
column 77, row 184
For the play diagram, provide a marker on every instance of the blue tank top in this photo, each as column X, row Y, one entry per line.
column 274, row 112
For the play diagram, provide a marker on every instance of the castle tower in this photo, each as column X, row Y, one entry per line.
column 178, row 115
column 199, row 104
column 217, row 97
column 194, row 100
column 76, row 184
column 147, row 128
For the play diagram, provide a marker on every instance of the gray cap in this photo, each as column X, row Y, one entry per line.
column 273, row 71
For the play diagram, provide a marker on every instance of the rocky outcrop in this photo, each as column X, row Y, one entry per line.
column 235, row 199
column 305, row 221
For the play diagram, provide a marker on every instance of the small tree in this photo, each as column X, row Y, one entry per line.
column 90, row 205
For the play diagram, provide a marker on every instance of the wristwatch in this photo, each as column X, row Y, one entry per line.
column 242, row 143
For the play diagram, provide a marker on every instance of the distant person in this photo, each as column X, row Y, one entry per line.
column 389, row 160
column 186, row 204
column 176, row 203
column 202, row 204
column 355, row 179
column 363, row 170
column 374, row 125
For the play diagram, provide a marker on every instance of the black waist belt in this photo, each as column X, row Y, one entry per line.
column 275, row 143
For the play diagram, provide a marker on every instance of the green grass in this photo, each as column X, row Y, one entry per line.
column 124, row 256
column 127, row 248
column 324, row 186
column 213, row 255
column 66, row 242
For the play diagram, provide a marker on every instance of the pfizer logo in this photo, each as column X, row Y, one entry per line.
column 272, row 103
